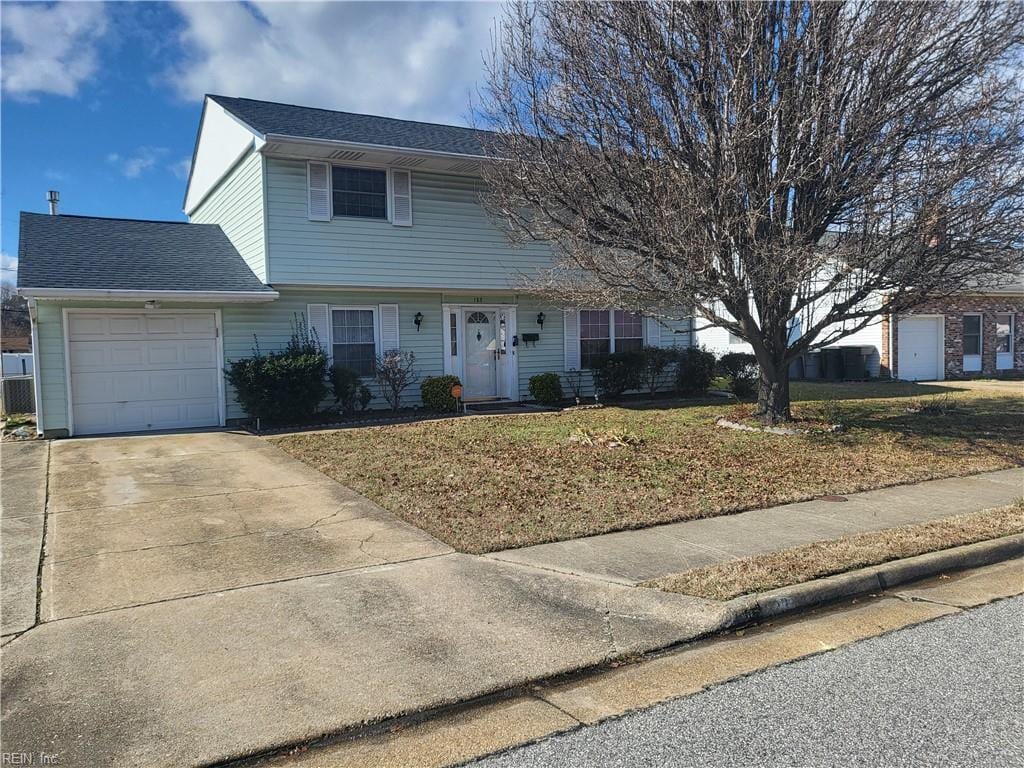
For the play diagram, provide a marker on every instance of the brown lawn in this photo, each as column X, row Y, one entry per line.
column 772, row 570
column 488, row 483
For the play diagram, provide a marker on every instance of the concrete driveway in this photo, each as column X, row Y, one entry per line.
column 206, row 597
column 135, row 520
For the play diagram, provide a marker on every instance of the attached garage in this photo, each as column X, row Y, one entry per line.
column 920, row 348
column 131, row 371
column 127, row 321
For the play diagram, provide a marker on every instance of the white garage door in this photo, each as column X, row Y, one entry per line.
column 136, row 371
column 919, row 343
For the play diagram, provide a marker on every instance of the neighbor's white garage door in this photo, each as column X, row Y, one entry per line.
column 919, row 344
column 135, row 371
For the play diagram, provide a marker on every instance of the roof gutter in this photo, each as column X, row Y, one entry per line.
column 126, row 295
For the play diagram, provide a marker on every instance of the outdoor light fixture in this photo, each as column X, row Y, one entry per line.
column 152, row 305
column 540, row 319
column 418, row 319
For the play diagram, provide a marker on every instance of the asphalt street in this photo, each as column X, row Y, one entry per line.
column 946, row 693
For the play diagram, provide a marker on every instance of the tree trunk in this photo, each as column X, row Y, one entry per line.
column 773, row 394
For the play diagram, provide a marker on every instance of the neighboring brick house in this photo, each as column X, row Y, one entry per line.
column 965, row 336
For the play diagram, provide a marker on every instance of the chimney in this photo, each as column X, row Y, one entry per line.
column 53, row 197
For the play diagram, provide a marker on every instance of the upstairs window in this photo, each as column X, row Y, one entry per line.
column 361, row 192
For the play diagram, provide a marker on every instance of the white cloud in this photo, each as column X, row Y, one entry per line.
column 138, row 162
column 181, row 168
column 417, row 61
column 50, row 48
column 8, row 264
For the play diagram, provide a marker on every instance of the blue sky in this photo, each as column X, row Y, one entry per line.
column 101, row 100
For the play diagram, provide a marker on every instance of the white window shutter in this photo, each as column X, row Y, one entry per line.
column 388, row 314
column 401, row 198
column 318, row 318
column 571, row 326
column 318, row 178
column 652, row 332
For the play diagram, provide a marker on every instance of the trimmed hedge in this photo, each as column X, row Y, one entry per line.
column 695, row 371
column 546, row 388
column 617, row 372
column 436, row 393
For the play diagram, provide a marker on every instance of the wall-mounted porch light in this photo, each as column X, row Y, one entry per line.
column 418, row 318
column 540, row 319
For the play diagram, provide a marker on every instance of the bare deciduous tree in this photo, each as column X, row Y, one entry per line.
column 760, row 164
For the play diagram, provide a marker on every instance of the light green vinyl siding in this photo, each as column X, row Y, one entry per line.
column 451, row 245
column 236, row 203
column 270, row 325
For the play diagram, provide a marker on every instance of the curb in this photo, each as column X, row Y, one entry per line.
column 751, row 609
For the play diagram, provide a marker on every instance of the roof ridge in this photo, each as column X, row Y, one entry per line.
column 112, row 218
column 347, row 112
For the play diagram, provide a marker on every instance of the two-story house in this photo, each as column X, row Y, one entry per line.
column 370, row 228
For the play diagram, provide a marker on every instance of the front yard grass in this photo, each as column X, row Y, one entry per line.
column 496, row 482
column 772, row 570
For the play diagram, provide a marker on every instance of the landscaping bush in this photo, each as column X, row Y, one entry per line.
column 282, row 387
column 436, row 392
column 349, row 390
column 617, row 372
column 574, row 378
column 656, row 361
column 546, row 388
column 395, row 372
column 695, row 371
column 743, row 372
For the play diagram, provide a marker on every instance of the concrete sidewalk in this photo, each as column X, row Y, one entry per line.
column 22, row 507
column 631, row 557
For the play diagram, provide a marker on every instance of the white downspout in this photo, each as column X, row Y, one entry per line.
column 37, row 390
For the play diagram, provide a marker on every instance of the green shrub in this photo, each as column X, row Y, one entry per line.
column 436, row 392
column 282, row 387
column 349, row 390
column 655, row 362
column 546, row 388
column 695, row 371
column 743, row 372
column 615, row 373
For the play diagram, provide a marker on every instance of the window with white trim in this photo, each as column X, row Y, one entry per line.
column 353, row 339
column 359, row 192
column 603, row 331
column 972, row 335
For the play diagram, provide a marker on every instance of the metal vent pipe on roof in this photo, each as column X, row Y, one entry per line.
column 53, row 197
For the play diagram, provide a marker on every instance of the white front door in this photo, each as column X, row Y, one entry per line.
column 482, row 358
column 136, row 371
column 919, row 341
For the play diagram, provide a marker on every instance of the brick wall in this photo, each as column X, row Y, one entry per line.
column 953, row 309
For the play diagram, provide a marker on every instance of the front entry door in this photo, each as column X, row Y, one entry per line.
column 482, row 356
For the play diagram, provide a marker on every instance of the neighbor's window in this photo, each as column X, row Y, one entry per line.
column 595, row 338
column 603, row 331
column 972, row 334
column 353, row 343
column 1004, row 333
column 629, row 332
column 359, row 192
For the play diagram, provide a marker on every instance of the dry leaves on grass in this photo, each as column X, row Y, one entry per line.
column 499, row 482
column 761, row 573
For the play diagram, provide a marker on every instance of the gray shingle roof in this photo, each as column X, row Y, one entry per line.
column 85, row 252
column 311, row 123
